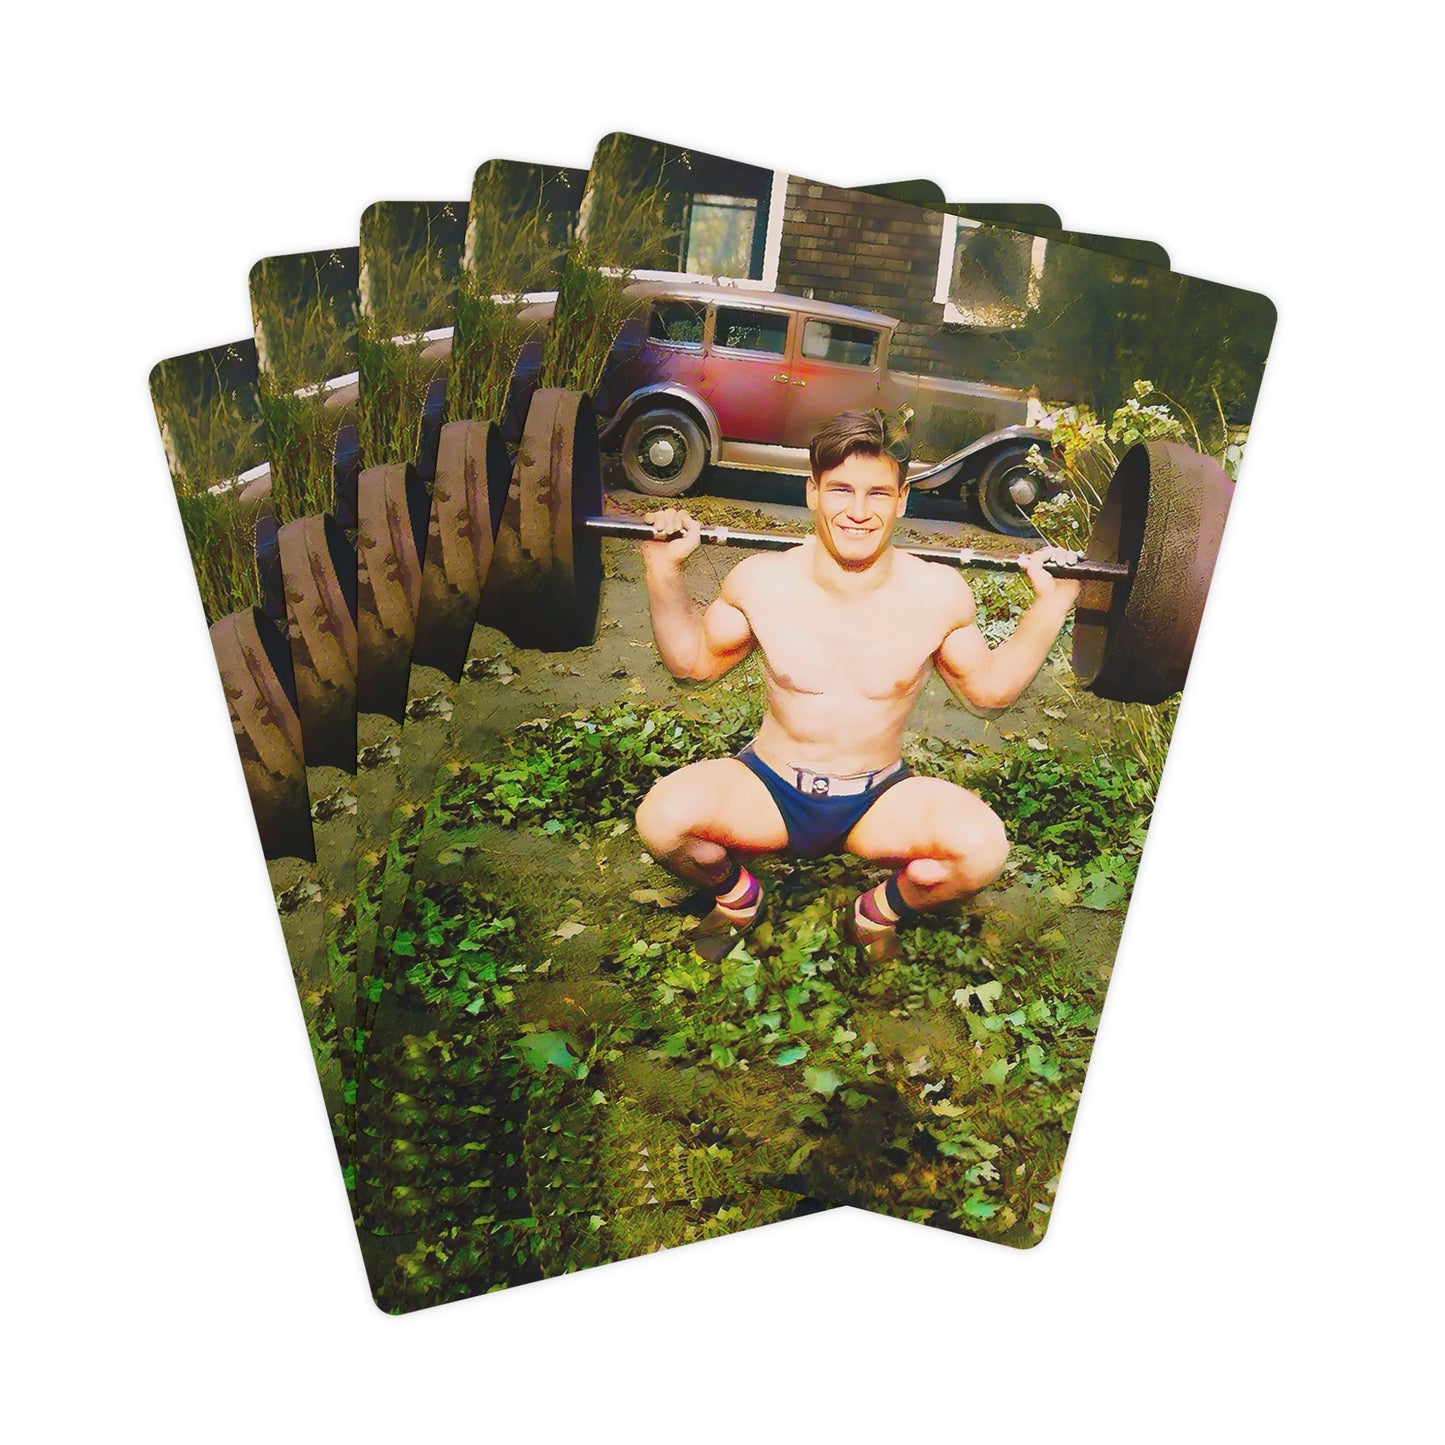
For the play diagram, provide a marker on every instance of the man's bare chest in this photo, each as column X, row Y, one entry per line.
column 847, row 653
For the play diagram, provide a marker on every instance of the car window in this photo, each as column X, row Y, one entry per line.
column 741, row 330
column 678, row 323
column 843, row 345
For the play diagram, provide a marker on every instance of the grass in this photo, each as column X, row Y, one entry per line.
column 220, row 533
column 301, row 430
column 629, row 221
column 486, row 345
column 207, row 406
column 394, row 382
column 518, row 233
column 410, row 261
column 305, row 311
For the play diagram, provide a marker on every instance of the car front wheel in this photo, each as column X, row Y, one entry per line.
column 1007, row 491
column 663, row 452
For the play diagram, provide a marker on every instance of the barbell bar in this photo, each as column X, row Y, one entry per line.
column 1082, row 570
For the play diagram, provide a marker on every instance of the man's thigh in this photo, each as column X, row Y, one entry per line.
column 921, row 818
column 725, row 802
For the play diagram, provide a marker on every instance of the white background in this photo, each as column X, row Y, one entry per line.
column 1246, row 1240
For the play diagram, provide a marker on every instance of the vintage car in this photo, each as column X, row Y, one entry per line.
column 707, row 375
column 724, row 377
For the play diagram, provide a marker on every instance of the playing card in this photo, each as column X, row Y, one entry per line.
column 304, row 309
column 209, row 407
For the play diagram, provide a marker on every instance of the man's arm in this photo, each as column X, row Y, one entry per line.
column 696, row 643
column 992, row 679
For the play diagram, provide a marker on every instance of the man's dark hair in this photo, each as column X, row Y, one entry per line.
column 858, row 433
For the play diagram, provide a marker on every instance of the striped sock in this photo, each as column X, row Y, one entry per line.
column 740, row 897
column 883, row 907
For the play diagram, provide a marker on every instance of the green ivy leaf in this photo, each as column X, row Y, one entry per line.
column 822, row 1081
column 552, row 1050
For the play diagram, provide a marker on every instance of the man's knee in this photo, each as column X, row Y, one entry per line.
column 975, row 846
column 665, row 815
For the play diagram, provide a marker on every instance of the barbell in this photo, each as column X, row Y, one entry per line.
column 1145, row 572
column 1146, row 568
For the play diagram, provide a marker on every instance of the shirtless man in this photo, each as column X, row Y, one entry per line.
column 849, row 629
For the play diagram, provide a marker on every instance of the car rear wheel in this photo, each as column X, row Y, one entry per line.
column 663, row 452
column 1007, row 491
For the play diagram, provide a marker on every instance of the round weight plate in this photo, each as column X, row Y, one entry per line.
column 451, row 553
column 472, row 476
column 316, row 559
column 545, row 583
column 392, row 521
column 1164, row 513
column 255, row 666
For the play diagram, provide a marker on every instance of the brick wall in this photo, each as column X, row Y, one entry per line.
column 1102, row 322
column 855, row 250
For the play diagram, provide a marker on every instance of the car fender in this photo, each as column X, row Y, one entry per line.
column 940, row 473
column 651, row 395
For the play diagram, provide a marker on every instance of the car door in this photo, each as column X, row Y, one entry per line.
column 747, row 371
column 837, row 367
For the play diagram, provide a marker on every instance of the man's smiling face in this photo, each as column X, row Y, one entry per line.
column 855, row 507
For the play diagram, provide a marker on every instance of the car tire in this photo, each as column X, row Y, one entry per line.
column 1003, row 500
column 664, row 452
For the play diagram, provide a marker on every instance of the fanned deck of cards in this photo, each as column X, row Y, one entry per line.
column 702, row 646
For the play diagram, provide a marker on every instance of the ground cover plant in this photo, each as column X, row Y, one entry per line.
column 942, row 1090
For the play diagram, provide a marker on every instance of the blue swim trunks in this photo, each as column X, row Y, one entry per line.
column 819, row 819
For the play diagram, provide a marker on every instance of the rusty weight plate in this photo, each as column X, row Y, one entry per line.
column 255, row 666
column 319, row 566
column 473, row 474
column 392, row 507
column 1164, row 513
column 544, row 587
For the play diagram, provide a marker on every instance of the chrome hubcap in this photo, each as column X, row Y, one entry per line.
column 662, row 453
column 1023, row 491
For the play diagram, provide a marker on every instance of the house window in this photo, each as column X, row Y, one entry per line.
column 842, row 345
column 720, row 235
column 729, row 224
column 738, row 330
column 988, row 277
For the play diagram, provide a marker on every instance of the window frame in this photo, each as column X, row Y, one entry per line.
column 772, row 250
column 691, row 348
column 877, row 335
column 741, row 305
